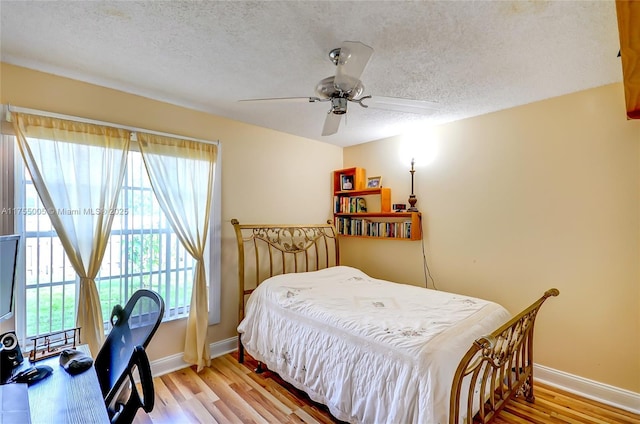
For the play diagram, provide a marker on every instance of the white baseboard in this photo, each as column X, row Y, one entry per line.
column 175, row 362
column 610, row 395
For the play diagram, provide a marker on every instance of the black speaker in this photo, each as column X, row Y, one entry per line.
column 10, row 354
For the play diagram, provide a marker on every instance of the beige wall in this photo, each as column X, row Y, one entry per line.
column 519, row 201
column 267, row 176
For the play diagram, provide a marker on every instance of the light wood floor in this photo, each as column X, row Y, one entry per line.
column 229, row 392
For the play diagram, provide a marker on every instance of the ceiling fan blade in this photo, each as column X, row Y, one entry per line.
column 286, row 99
column 352, row 60
column 422, row 107
column 331, row 123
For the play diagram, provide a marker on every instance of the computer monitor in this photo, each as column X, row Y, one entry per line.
column 8, row 263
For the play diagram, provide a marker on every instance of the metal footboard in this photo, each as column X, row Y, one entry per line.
column 496, row 368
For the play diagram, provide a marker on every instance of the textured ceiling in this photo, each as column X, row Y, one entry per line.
column 468, row 57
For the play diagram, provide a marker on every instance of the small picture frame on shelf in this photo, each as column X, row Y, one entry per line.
column 346, row 182
column 361, row 205
column 374, row 182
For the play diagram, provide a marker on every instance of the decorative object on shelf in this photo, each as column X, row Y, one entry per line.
column 399, row 207
column 412, row 198
column 374, row 182
column 346, row 182
column 361, row 205
column 54, row 343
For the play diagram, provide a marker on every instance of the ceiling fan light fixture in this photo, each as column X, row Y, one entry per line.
column 339, row 105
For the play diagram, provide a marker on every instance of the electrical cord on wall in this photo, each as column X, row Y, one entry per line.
column 427, row 271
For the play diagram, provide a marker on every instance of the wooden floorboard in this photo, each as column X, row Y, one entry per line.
column 229, row 392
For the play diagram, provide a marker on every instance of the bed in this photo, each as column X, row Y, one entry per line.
column 375, row 351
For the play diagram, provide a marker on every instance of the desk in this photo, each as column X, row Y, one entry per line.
column 63, row 398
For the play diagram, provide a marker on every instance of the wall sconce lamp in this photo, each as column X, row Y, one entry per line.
column 412, row 198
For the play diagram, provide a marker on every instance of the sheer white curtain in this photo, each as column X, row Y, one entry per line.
column 77, row 170
column 182, row 177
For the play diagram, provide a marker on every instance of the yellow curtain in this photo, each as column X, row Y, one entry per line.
column 182, row 175
column 77, row 170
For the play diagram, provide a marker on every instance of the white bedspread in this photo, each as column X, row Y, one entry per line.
column 372, row 351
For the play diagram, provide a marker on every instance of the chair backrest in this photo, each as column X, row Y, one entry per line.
column 122, row 410
column 133, row 326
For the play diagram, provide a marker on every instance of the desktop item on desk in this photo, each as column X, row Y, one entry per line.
column 31, row 375
column 10, row 355
column 75, row 362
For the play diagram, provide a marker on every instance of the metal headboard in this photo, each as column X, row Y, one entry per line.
column 268, row 250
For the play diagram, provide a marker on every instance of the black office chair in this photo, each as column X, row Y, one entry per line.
column 123, row 354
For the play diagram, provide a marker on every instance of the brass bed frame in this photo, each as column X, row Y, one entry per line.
column 496, row 367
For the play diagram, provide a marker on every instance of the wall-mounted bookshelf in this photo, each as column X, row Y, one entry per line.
column 359, row 211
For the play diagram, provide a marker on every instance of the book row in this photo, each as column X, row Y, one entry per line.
column 343, row 204
column 363, row 227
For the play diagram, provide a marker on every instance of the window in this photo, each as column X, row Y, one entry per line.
column 143, row 252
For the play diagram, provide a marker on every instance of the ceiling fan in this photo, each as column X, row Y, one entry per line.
column 351, row 58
